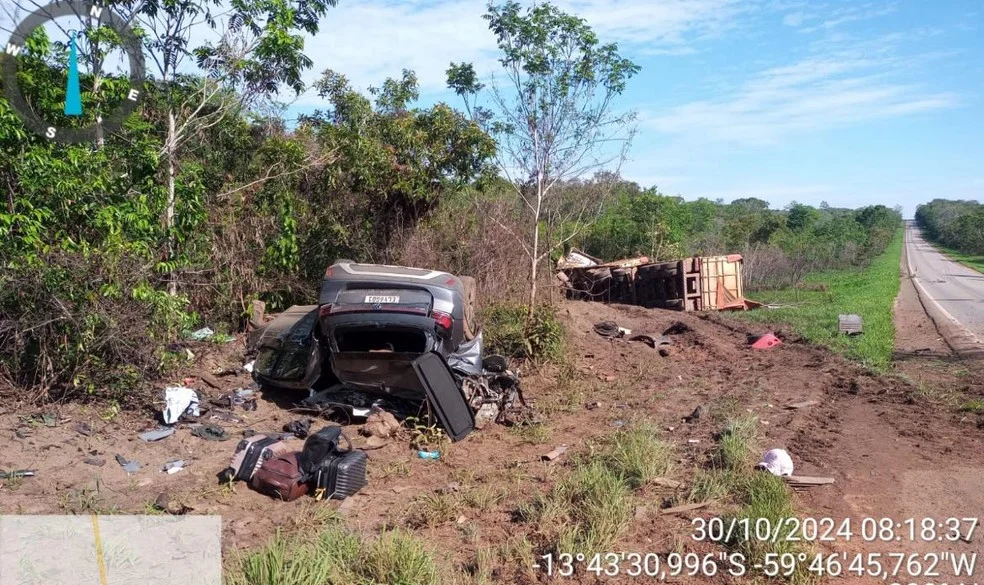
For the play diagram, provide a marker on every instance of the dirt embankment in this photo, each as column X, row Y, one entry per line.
column 892, row 451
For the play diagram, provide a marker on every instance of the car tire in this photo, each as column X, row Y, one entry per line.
column 471, row 327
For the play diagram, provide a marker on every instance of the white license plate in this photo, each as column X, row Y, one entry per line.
column 382, row 299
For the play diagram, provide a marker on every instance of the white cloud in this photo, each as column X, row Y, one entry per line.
column 834, row 89
column 371, row 40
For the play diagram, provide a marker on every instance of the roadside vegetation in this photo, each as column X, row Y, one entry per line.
column 812, row 308
column 957, row 226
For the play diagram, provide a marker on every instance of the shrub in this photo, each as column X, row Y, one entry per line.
column 510, row 332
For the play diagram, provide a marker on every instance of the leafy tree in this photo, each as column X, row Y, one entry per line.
column 801, row 217
column 554, row 119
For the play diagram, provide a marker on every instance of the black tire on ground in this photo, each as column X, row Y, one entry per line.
column 471, row 326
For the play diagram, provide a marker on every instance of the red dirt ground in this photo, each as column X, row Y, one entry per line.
column 895, row 444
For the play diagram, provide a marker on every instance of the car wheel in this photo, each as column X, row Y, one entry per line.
column 471, row 327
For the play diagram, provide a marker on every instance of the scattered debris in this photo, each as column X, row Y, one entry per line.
column 666, row 482
column 767, row 341
column 592, row 405
column 97, row 461
column 776, row 462
column 577, row 259
column 428, row 454
column 249, row 367
column 84, row 429
column 202, row 334
column 180, row 400
column 695, row 415
column 665, row 351
column 380, row 424
column 804, row 481
column 653, row 341
column 16, row 474
column 677, row 328
column 128, row 466
column 225, row 416
column 300, row 428
column 617, row 424
column 164, row 503
column 156, row 434
column 376, row 442
column 210, row 380
column 693, row 441
column 210, row 432
column 174, row 466
column 552, row 455
column 609, row 329
column 799, row 405
column 850, row 324
column 685, row 508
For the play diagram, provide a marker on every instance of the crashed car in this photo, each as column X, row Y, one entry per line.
column 381, row 333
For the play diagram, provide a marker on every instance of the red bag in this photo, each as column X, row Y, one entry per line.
column 280, row 477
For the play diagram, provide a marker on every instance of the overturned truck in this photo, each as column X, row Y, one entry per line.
column 702, row 283
column 404, row 339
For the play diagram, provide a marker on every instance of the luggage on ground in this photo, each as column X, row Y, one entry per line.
column 281, row 478
column 250, row 455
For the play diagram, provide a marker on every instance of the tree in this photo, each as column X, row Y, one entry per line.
column 259, row 50
column 553, row 118
column 801, row 217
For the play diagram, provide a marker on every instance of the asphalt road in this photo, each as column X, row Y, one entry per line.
column 958, row 289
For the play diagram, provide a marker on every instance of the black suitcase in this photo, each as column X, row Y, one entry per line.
column 340, row 475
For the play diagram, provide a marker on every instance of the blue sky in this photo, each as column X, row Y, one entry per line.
column 853, row 103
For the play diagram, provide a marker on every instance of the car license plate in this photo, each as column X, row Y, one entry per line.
column 382, row 299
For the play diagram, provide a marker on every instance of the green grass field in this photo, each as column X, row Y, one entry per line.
column 975, row 261
column 868, row 292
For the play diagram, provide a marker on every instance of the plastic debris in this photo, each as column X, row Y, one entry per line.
column 767, row 341
column 776, row 462
column 84, row 429
column 180, row 400
column 202, row 334
column 128, row 466
column 300, row 428
column 428, row 454
column 15, row 474
column 156, row 434
column 97, row 461
column 210, row 432
column 173, row 466
column 249, row 367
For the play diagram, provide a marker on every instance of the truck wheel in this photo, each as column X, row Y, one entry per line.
column 471, row 327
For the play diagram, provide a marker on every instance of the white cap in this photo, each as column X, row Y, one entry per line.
column 776, row 462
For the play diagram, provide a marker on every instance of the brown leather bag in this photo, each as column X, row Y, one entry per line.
column 281, row 477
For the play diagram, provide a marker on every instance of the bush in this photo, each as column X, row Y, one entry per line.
column 510, row 332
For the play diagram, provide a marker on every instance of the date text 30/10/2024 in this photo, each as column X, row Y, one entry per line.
column 904, row 568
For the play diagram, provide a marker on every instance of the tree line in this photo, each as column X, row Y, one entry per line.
column 955, row 224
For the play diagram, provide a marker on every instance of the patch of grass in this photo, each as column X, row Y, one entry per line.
column 638, row 455
column 585, row 512
column 510, row 332
column 869, row 292
column 532, row 433
column 734, row 448
column 431, row 510
column 86, row 500
column 591, row 506
column 975, row 406
column 710, row 485
column 395, row 469
column 975, row 261
column 485, row 498
column 335, row 555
